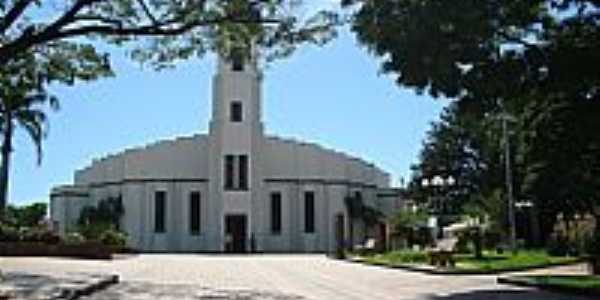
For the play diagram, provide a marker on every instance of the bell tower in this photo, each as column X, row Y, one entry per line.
column 236, row 135
column 236, row 91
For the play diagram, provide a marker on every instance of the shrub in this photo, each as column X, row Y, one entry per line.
column 93, row 231
column 74, row 238
column 491, row 239
column 340, row 253
column 558, row 245
column 423, row 237
column 39, row 234
column 108, row 211
column 593, row 245
column 593, row 250
column 464, row 240
column 9, row 233
column 28, row 215
column 113, row 238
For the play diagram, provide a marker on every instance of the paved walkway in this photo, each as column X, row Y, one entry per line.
column 56, row 286
column 273, row 277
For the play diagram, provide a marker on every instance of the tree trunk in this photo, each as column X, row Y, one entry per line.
column 536, row 235
column 478, row 243
column 595, row 248
column 4, row 168
column 351, row 239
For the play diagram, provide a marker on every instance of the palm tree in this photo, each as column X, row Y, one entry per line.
column 22, row 101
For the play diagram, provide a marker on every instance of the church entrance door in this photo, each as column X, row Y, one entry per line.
column 235, row 233
column 339, row 232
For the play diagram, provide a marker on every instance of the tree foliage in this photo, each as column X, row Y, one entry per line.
column 561, row 155
column 27, row 216
column 466, row 148
column 485, row 50
column 24, row 95
column 108, row 212
column 409, row 220
column 56, row 41
column 535, row 59
column 162, row 31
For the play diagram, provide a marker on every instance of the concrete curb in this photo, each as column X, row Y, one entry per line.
column 437, row 271
column 552, row 288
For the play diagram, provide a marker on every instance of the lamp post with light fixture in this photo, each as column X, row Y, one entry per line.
column 505, row 117
column 435, row 183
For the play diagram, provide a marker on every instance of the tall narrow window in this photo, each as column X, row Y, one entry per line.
column 237, row 59
column 236, row 113
column 309, row 212
column 243, row 172
column 229, row 168
column 276, row 212
column 160, row 208
column 358, row 196
column 195, row 211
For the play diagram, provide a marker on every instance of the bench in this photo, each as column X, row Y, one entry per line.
column 367, row 247
column 442, row 254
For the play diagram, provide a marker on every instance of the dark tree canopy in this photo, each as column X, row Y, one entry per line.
column 28, row 215
column 535, row 59
column 485, row 49
column 462, row 146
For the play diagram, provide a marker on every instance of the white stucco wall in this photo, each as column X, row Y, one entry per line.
column 173, row 166
column 289, row 159
column 195, row 163
column 182, row 158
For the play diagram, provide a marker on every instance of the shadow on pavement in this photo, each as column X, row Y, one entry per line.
column 506, row 295
column 28, row 285
column 142, row 290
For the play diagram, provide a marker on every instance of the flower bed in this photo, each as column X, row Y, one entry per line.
column 88, row 250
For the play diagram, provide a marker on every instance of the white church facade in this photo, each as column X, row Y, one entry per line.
column 232, row 189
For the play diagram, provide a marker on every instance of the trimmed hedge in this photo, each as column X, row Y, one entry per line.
column 88, row 250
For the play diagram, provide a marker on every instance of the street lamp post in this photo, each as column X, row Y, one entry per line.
column 509, row 184
column 437, row 181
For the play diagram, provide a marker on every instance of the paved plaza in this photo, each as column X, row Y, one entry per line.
column 273, row 277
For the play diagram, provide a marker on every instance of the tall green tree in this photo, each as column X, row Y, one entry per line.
column 24, row 98
column 27, row 215
column 539, row 56
column 464, row 147
column 485, row 50
column 28, row 114
column 561, row 153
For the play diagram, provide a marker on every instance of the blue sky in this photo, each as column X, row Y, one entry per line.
column 332, row 95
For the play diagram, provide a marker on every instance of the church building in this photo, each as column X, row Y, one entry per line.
column 234, row 189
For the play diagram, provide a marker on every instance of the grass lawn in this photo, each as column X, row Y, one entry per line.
column 587, row 285
column 491, row 262
column 398, row 258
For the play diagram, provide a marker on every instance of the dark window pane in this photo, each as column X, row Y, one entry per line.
column 229, row 166
column 358, row 196
column 237, row 60
column 243, row 172
column 160, row 207
column 309, row 212
column 236, row 113
column 276, row 212
column 195, row 211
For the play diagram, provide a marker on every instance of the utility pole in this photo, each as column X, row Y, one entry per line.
column 509, row 183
